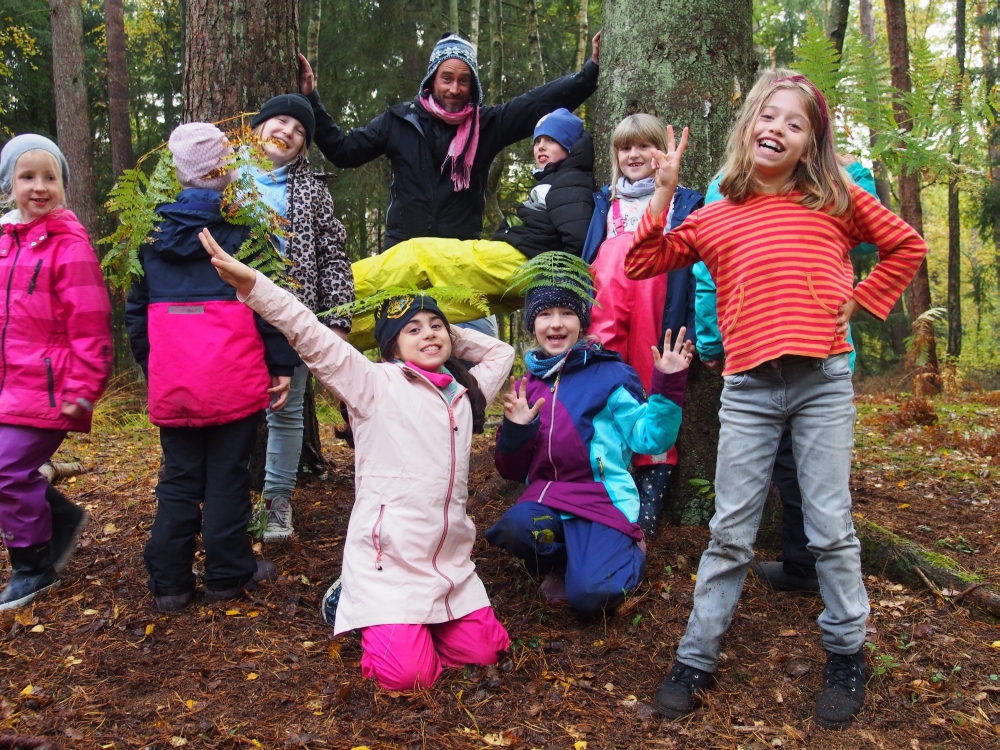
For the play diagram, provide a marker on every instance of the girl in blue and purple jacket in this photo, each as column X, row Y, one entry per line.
column 569, row 431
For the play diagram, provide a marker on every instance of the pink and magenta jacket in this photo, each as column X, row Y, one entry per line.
column 55, row 323
column 207, row 357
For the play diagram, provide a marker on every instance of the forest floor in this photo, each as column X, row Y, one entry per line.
column 95, row 665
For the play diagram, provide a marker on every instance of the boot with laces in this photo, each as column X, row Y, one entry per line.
column 279, row 519
column 675, row 696
column 843, row 693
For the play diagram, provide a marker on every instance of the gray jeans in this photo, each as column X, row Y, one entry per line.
column 284, row 440
column 815, row 398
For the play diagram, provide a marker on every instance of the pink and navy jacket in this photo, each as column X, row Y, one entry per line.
column 575, row 455
column 55, row 323
column 208, row 358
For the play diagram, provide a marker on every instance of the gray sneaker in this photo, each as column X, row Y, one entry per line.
column 279, row 519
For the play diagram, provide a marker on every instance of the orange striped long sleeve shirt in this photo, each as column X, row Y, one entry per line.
column 782, row 270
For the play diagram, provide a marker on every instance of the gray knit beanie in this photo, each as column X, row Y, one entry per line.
column 19, row 145
column 453, row 47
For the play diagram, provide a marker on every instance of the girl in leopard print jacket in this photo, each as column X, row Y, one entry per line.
column 315, row 246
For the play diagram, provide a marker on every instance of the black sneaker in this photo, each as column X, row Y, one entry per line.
column 68, row 522
column 266, row 570
column 774, row 576
column 675, row 696
column 330, row 601
column 843, row 693
column 31, row 574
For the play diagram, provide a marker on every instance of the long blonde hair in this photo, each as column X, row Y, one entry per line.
column 632, row 130
column 823, row 184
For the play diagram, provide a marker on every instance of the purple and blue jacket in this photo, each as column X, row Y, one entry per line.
column 575, row 455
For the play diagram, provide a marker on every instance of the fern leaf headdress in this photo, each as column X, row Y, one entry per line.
column 554, row 279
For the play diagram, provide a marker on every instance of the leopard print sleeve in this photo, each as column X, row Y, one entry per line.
column 336, row 279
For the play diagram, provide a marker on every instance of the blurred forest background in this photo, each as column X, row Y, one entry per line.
column 369, row 54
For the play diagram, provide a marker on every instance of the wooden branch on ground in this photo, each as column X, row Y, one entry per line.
column 54, row 471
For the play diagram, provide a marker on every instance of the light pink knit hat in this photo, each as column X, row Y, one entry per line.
column 199, row 149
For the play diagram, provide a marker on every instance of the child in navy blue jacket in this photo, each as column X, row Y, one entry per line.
column 213, row 366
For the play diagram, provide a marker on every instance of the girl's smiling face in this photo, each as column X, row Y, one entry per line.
column 635, row 160
column 282, row 139
column 780, row 139
column 424, row 341
column 37, row 185
column 557, row 329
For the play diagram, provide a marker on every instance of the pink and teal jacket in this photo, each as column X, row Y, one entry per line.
column 208, row 358
column 574, row 456
column 55, row 323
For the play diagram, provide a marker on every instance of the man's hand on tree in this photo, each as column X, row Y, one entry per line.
column 596, row 57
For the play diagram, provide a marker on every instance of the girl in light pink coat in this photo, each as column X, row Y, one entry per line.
column 55, row 358
column 409, row 583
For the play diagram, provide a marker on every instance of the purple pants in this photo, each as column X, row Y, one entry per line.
column 25, row 516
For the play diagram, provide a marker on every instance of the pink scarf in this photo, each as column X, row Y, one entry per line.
column 463, row 145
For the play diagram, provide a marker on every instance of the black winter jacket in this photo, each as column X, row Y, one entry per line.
column 423, row 202
column 569, row 205
column 176, row 268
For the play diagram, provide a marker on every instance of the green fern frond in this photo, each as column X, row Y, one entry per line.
column 556, row 269
column 818, row 60
column 443, row 295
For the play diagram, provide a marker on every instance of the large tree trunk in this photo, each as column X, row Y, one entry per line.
column 237, row 54
column 692, row 80
column 989, row 47
column 909, row 180
column 695, row 80
column 72, row 111
column 120, row 125
column 836, row 23
column 954, row 221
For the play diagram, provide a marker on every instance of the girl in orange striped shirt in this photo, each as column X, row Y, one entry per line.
column 777, row 247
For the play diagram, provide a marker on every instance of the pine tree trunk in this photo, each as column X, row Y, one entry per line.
column 909, row 180
column 474, row 24
column 582, row 35
column 237, row 54
column 72, row 111
column 954, row 221
column 691, row 81
column 120, row 125
column 534, row 44
column 493, row 213
column 836, row 23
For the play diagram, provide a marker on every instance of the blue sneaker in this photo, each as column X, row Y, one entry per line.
column 330, row 601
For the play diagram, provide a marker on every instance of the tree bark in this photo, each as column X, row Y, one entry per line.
column 72, row 111
column 120, row 125
column 919, row 293
column 582, row 35
column 954, row 221
column 836, row 23
column 312, row 37
column 989, row 45
column 493, row 213
column 474, row 24
column 696, row 80
column 237, row 54
column 534, row 44
column 453, row 15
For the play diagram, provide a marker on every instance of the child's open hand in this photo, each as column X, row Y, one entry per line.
column 515, row 404
column 280, row 386
column 845, row 314
column 231, row 270
column 673, row 359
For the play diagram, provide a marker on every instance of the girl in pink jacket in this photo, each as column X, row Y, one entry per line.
column 55, row 357
column 409, row 583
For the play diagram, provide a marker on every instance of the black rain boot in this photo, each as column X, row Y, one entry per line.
column 31, row 574
column 675, row 696
column 68, row 522
column 652, row 482
column 843, row 693
column 777, row 576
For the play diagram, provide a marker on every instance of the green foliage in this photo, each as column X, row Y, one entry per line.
column 556, row 269
column 443, row 294
column 135, row 197
column 817, row 60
